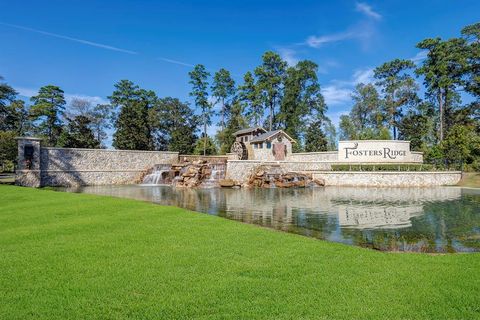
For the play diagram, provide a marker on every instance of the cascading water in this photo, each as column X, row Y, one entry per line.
column 161, row 174
column 217, row 172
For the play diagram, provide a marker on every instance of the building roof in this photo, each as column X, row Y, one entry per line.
column 248, row 130
column 270, row 134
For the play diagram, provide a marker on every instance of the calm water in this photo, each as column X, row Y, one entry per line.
column 444, row 219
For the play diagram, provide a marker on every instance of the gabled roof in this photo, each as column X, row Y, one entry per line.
column 271, row 134
column 248, row 130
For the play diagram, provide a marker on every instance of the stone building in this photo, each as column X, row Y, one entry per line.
column 259, row 144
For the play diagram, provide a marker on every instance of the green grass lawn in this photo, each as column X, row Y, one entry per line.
column 80, row 256
column 470, row 179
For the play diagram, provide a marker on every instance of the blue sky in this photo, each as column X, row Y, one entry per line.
column 86, row 46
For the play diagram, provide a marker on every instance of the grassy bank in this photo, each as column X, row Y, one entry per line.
column 470, row 179
column 80, row 256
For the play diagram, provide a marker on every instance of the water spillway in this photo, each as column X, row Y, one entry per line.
column 196, row 174
column 160, row 174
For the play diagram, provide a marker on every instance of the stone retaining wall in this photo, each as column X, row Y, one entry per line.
column 240, row 170
column 331, row 156
column 74, row 167
column 389, row 178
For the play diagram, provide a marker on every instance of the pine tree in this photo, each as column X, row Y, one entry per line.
column 78, row 134
column 47, row 109
column 132, row 125
column 315, row 139
column 199, row 81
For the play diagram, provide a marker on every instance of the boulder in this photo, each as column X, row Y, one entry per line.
column 226, row 183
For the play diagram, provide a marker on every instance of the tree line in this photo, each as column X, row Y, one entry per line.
column 275, row 96
column 439, row 124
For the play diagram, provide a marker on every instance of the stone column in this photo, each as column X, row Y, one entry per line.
column 28, row 171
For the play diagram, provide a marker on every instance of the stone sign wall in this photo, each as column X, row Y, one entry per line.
column 376, row 151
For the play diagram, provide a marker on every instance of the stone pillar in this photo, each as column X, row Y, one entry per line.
column 28, row 171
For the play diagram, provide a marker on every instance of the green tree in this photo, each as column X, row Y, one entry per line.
column 235, row 122
column 302, row 99
column 223, row 90
column 100, row 116
column 471, row 33
column 250, row 99
column 199, row 81
column 47, row 109
column 270, row 82
column 8, row 150
column 461, row 145
column 348, row 131
column 205, row 146
column 442, row 71
column 174, row 125
column 7, row 95
column 17, row 118
column 132, row 123
column 415, row 128
column 398, row 87
column 315, row 139
column 78, row 134
column 101, row 120
column 366, row 111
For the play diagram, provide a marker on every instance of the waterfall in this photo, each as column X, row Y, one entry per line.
column 217, row 172
column 161, row 174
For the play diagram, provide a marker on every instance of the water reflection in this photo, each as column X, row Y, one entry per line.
column 442, row 219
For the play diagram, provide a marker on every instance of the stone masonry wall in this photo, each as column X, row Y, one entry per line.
column 102, row 159
column 389, row 179
column 240, row 170
column 74, row 167
column 331, row 156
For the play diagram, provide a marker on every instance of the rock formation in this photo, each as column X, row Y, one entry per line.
column 274, row 177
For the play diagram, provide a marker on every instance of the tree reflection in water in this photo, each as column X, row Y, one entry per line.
column 440, row 219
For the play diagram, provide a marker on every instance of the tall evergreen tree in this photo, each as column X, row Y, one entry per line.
column 271, row 76
column 47, row 109
column 315, row 139
column 132, row 123
column 250, row 99
column 472, row 82
column 78, row 134
column 223, row 90
column 399, row 89
column 7, row 95
column 199, row 81
column 302, row 100
column 442, row 71
column 174, row 126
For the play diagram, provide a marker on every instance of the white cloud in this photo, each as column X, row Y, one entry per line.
column 29, row 92
column 335, row 116
column 363, row 76
column 288, row 55
column 367, row 10
column 318, row 41
column 422, row 55
column 176, row 62
column 340, row 91
column 335, row 94
column 82, row 41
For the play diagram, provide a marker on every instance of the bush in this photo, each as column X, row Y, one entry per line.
column 383, row 167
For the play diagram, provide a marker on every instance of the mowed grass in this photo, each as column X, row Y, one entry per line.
column 470, row 179
column 77, row 256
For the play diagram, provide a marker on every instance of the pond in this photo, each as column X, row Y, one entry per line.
column 440, row 219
